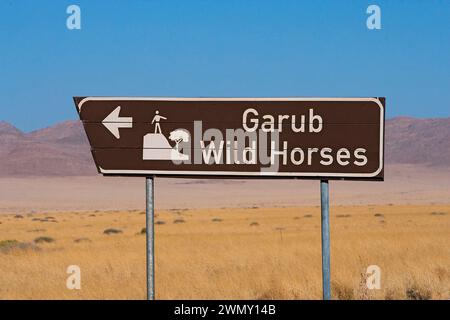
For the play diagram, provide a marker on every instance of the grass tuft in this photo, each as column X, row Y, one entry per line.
column 37, row 230
column 416, row 292
column 7, row 246
column 84, row 239
column 343, row 215
column 379, row 215
column 44, row 240
column 342, row 291
column 8, row 243
column 112, row 231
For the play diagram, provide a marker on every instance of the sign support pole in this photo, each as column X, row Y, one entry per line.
column 150, row 236
column 325, row 221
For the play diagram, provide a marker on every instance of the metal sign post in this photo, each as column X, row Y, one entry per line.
column 325, row 215
column 150, row 237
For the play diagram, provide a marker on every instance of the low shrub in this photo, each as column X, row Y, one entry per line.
column 416, row 292
column 112, row 231
column 44, row 240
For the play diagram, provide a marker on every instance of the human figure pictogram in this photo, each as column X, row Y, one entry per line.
column 156, row 120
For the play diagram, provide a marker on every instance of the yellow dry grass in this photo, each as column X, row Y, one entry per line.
column 249, row 253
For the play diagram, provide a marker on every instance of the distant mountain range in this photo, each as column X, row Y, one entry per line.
column 59, row 150
column 63, row 149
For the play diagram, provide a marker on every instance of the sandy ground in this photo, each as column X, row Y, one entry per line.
column 253, row 253
column 402, row 185
column 230, row 239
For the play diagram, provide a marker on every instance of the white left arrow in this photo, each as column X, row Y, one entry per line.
column 113, row 122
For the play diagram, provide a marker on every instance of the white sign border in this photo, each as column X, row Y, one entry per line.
column 243, row 173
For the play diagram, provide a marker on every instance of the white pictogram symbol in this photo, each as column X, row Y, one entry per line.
column 113, row 122
column 157, row 147
column 156, row 120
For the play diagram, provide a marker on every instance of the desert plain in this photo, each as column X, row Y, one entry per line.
column 225, row 239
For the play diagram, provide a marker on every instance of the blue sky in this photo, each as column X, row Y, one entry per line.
column 221, row 48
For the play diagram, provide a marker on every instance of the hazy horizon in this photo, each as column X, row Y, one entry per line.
column 74, row 119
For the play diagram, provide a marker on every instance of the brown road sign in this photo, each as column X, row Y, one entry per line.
column 321, row 138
